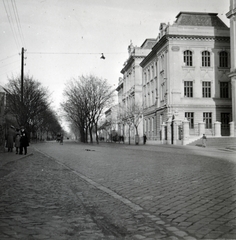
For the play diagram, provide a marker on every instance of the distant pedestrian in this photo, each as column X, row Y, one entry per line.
column 58, row 137
column 10, row 139
column 144, row 139
column 24, row 143
column 17, row 141
column 204, row 140
column 61, row 139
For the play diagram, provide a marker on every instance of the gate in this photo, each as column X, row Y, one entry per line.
column 225, row 119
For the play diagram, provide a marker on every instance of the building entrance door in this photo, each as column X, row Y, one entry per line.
column 225, row 119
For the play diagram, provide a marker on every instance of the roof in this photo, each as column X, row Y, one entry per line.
column 148, row 43
column 199, row 19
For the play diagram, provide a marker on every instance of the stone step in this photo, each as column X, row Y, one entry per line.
column 223, row 142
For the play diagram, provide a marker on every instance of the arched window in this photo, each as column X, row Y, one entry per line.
column 188, row 58
column 206, row 59
column 223, row 59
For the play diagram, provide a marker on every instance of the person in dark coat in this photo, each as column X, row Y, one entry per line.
column 10, row 139
column 144, row 139
column 24, row 143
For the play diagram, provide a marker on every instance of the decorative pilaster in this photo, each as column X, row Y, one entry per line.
column 169, row 130
column 185, row 125
column 176, row 124
column 201, row 128
column 231, row 129
column 233, row 86
column 232, row 16
column 217, row 129
column 163, row 133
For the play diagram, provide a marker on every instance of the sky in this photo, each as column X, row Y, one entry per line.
column 64, row 39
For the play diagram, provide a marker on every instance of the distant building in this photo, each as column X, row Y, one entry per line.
column 130, row 88
column 186, row 75
column 108, row 129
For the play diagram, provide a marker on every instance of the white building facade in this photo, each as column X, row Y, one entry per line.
column 186, row 76
column 130, row 89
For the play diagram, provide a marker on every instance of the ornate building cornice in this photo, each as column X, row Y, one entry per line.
column 197, row 37
column 169, row 37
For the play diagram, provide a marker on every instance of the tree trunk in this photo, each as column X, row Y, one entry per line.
column 96, row 132
column 82, row 135
column 91, row 134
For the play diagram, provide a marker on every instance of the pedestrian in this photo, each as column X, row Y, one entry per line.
column 144, row 139
column 17, row 140
column 10, row 138
column 61, row 139
column 204, row 140
column 24, row 143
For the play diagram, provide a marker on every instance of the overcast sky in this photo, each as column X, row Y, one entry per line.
column 65, row 38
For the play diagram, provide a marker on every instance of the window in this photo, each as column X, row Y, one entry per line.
column 149, row 76
column 145, row 78
column 206, row 89
column 152, row 124
column 223, row 59
column 190, row 118
column 224, row 90
column 206, row 59
column 162, row 63
column 188, row 59
column 188, row 88
column 207, row 118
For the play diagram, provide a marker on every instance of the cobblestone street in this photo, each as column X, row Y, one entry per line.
column 116, row 191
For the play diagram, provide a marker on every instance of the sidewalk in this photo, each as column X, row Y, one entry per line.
column 36, row 202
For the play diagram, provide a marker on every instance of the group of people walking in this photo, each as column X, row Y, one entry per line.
column 17, row 138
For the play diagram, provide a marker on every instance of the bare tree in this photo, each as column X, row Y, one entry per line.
column 87, row 97
column 35, row 101
column 132, row 116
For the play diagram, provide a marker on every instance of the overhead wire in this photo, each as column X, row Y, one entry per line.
column 74, row 53
column 9, row 57
column 9, row 63
column 18, row 22
column 16, row 29
column 8, row 12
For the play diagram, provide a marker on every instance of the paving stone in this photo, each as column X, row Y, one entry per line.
column 169, row 194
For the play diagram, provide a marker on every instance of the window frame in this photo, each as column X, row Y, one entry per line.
column 223, row 59
column 206, row 59
column 206, row 89
column 188, row 58
column 190, row 117
column 207, row 119
column 188, row 89
column 224, row 91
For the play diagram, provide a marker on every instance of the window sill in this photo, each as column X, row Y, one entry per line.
column 188, row 67
column 224, row 68
column 206, row 68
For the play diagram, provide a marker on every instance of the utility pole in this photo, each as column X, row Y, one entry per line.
column 22, row 73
